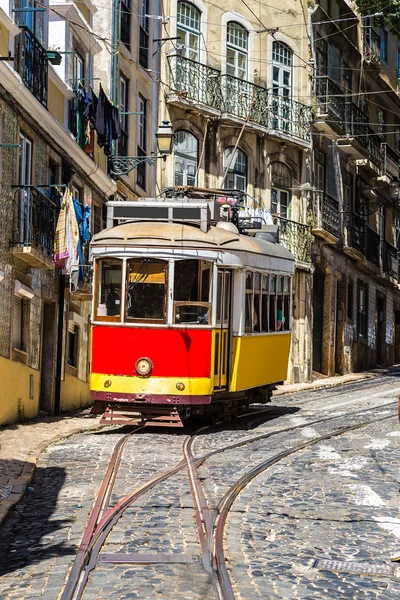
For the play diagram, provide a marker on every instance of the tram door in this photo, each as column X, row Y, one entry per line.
column 222, row 330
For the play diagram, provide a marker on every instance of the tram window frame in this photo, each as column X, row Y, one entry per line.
column 98, row 291
column 248, row 311
column 164, row 308
column 202, row 289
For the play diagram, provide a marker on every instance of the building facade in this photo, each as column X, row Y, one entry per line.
column 354, row 190
column 235, row 85
column 44, row 329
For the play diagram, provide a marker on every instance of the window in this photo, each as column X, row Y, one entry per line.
column 142, row 141
column 25, row 180
column 186, row 157
column 21, row 309
column 78, row 70
column 237, row 51
column 281, row 70
column 362, row 310
column 397, row 231
column 72, row 345
column 35, row 21
column 350, row 295
column 53, row 179
column 99, row 218
column 236, row 163
column 108, row 292
column 381, row 120
column 188, row 30
column 281, row 184
column 125, row 22
column 348, row 190
column 319, row 171
column 267, row 302
column 124, row 108
column 144, row 33
column 146, row 290
column 384, row 45
column 192, row 292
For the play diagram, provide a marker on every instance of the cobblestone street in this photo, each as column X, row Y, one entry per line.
column 319, row 520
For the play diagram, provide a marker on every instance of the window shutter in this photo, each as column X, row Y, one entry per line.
column 17, row 323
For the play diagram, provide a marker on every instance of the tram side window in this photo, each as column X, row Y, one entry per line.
column 146, row 290
column 108, row 299
column 286, row 303
column 192, row 292
column 264, row 303
column 248, row 323
column 272, row 303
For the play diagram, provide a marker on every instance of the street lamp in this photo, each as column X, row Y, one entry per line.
column 122, row 165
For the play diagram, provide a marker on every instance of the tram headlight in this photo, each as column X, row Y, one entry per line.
column 143, row 366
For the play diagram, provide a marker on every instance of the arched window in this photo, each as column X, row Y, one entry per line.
column 282, row 58
column 281, row 184
column 236, row 178
column 186, row 158
column 188, row 30
column 237, row 50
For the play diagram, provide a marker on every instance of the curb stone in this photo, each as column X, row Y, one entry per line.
column 22, row 482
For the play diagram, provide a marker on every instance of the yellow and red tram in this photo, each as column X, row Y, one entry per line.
column 187, row 319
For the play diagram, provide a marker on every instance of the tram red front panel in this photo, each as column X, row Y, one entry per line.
column 174, row 352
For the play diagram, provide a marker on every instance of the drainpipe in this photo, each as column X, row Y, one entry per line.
column 114, row 45
column 60, row 331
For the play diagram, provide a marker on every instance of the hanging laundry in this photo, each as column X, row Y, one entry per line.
column 107, row 122
column 91, row 107
column 82, row 213
column 81, row 100
column 60, row 238
column 67, row 237
column 116, row 123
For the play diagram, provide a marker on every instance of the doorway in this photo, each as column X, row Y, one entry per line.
column 381, row 328
column 46, row 400
column 318, row 322
column 222, row 331
column 339, row 338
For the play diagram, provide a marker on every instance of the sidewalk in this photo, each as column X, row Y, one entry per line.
column 22, row 443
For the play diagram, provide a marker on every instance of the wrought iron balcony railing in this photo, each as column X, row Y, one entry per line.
column 262, row 106
column 31, row 63
column 330, row 100
column 372, row 246
column 371, row 45
column 390, row 260
column 326, row 213
column 355, row 232
column 195, row 81
column 390, row 161
column 35, row 221
column 296, row 237
column 238, row 98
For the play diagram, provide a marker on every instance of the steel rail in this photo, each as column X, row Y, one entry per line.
column 99, row 504
column 230, row 496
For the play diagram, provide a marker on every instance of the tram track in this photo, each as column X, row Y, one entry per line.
column 210, row 523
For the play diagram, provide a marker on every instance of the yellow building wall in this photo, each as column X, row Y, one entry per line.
column 15, row 403
column 4, row 40
column 56, row 102
column 85, row 12
column 74, row 393
column 259, row 360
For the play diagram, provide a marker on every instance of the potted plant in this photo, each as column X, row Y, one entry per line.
column 54, row 55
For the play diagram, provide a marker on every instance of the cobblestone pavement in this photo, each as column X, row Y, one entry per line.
column 335, row 500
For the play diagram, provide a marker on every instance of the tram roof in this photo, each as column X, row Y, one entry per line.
column 177, row 235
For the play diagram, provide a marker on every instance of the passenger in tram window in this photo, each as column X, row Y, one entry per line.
column 280, row 320
column 113, row 302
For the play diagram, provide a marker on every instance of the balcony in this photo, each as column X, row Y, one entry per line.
column 82, row 289
column 235, row 99
column 35, row 224
column 390, row 164
column 372, row 246
column 371, row 46
column 355, row 236
column 194, row 82
column 331, row 107
column 326, row 217
column 31, row 63
column 390, row 261
column 297, row 238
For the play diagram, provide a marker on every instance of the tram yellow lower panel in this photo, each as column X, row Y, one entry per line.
column 200, row 386
column 258, row 360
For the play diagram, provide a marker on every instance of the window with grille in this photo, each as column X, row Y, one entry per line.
column 144, row 33
column 20, row 323
column 186, row 158
column 188, row 30
column 125, row 23
column 237, row 50
column 236, row 163
column 281, row 184
column 72, row 345
column 142, row 140
column 123, row 107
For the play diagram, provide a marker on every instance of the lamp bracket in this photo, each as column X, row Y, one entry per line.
column 122, row 165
